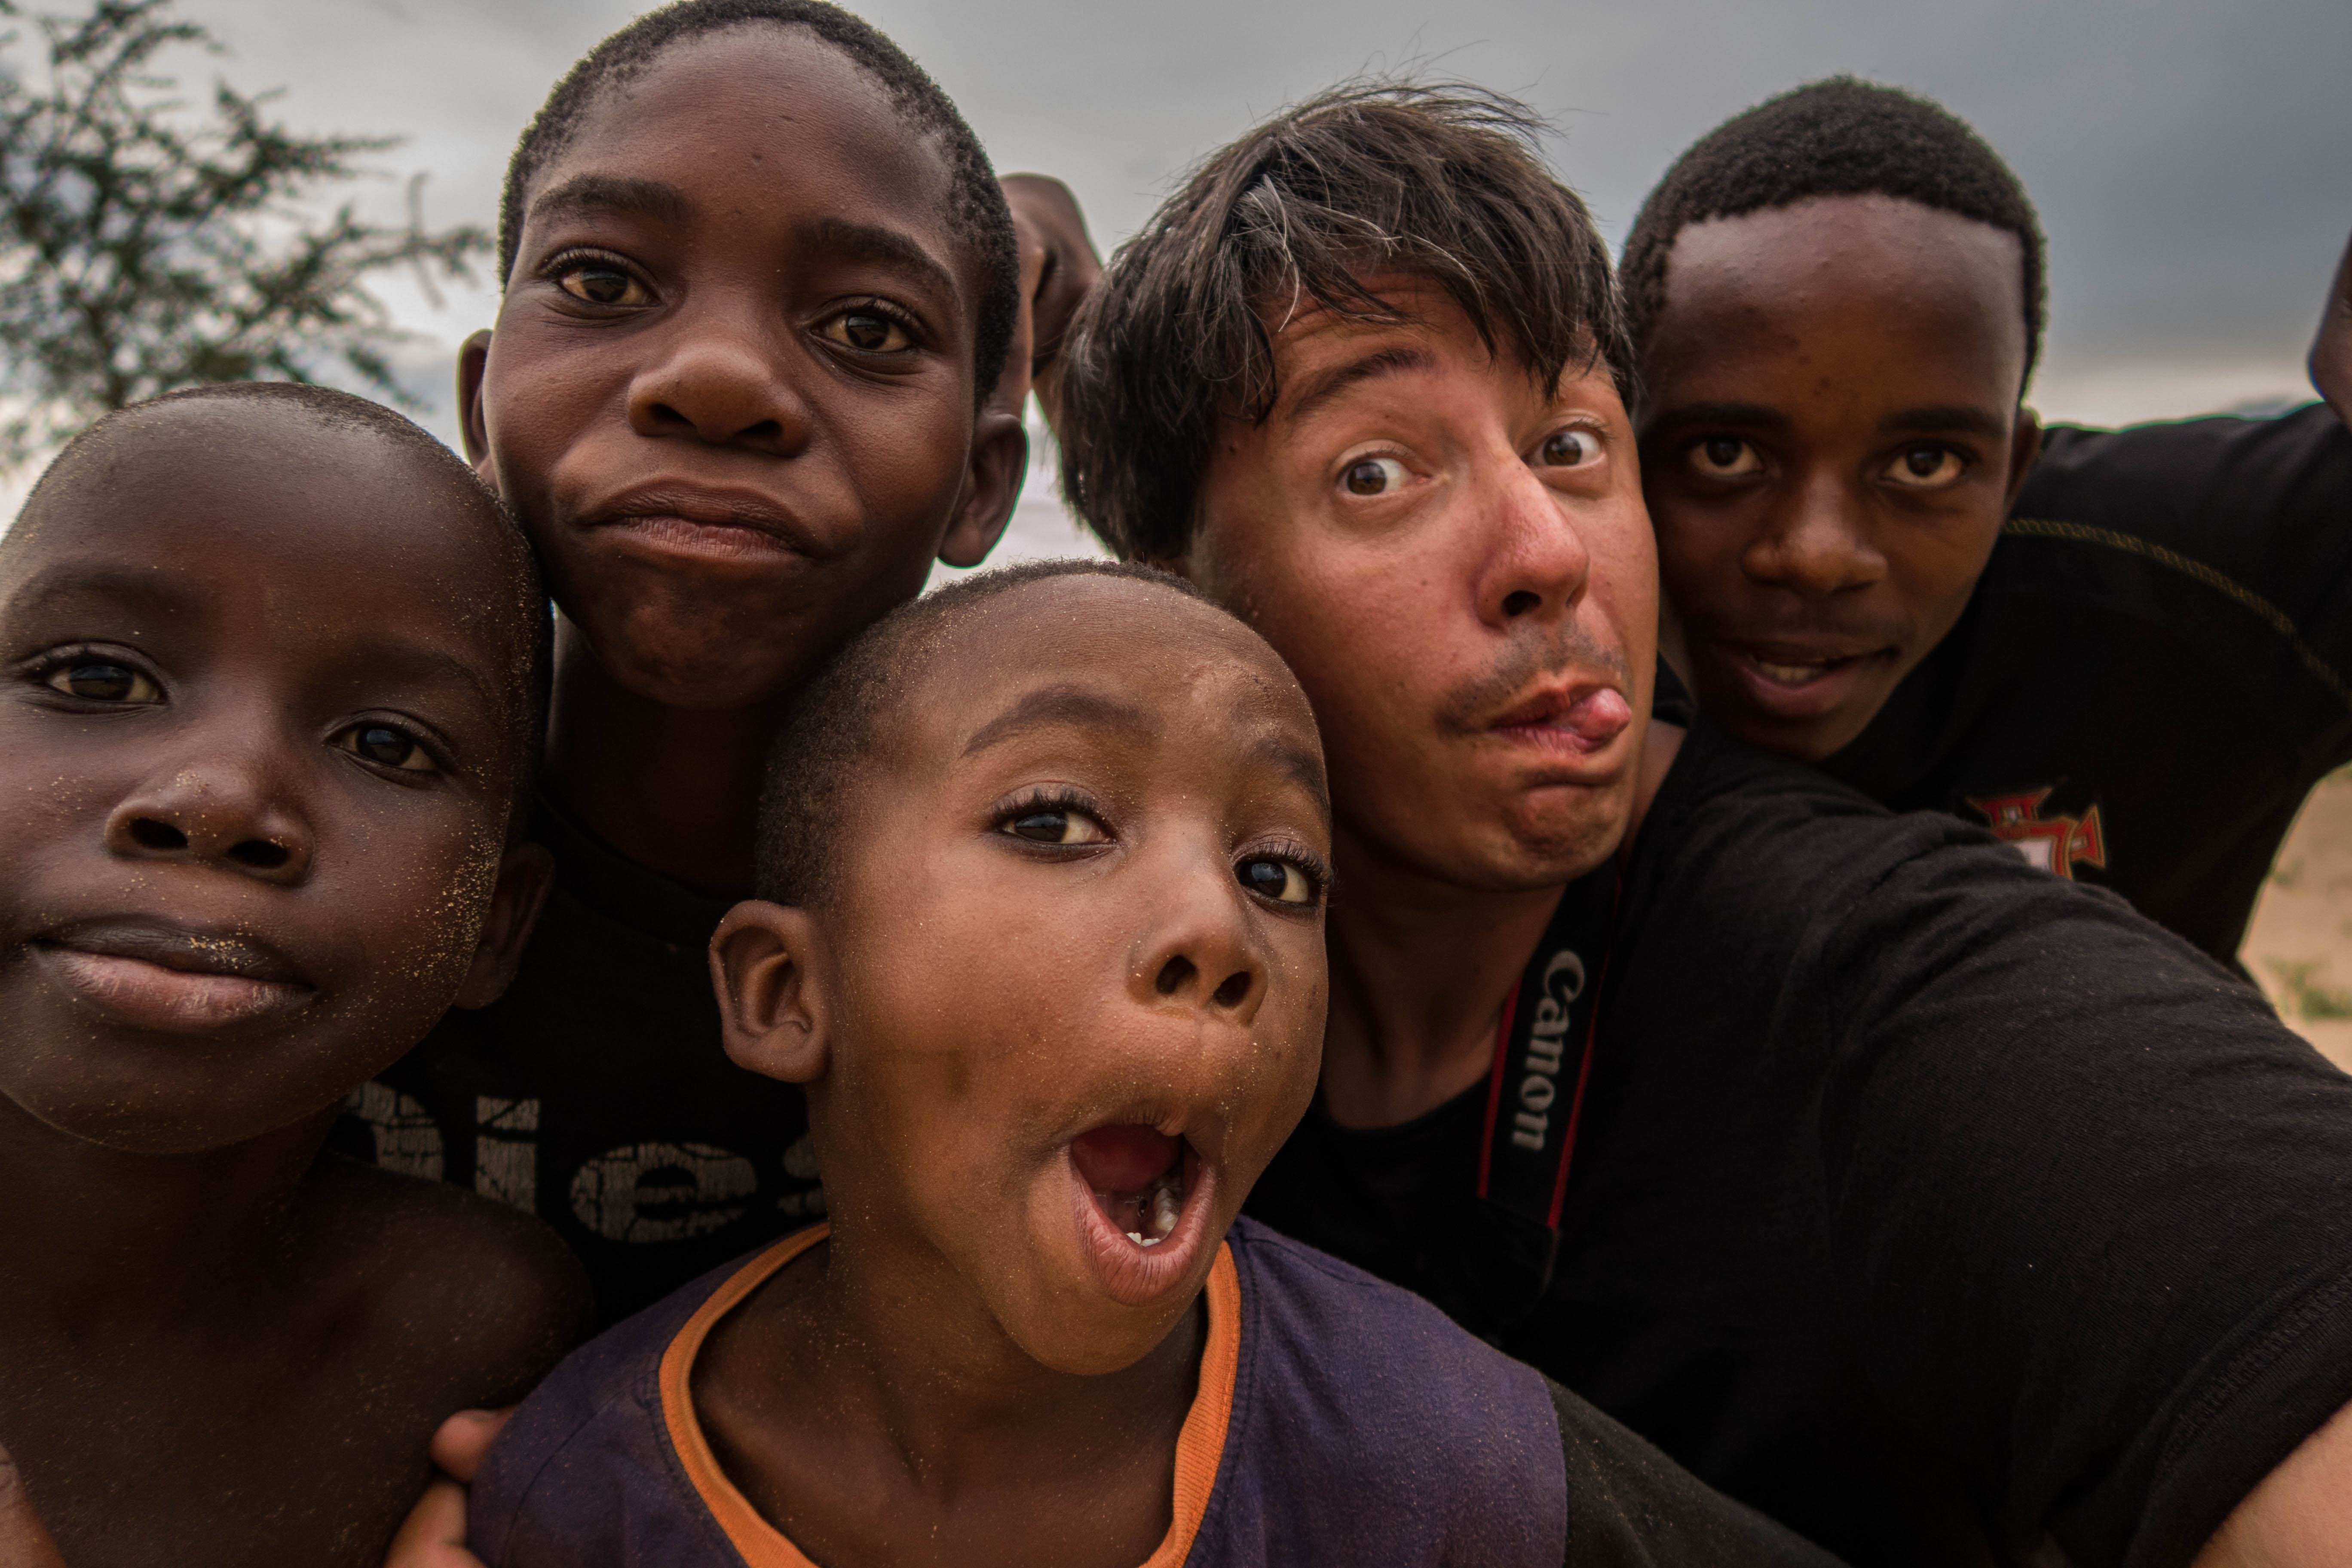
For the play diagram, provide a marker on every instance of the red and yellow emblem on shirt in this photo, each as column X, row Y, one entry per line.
column 2056, row 844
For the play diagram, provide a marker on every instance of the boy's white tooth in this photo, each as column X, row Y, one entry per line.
column 1165, row 1211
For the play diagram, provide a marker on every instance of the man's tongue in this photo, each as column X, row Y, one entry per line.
column 1137, row 1176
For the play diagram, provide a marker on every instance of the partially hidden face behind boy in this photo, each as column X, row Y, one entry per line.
column 269, row 703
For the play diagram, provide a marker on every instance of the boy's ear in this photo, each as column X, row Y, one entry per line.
column 524, row 876
column 2024, row 447
column 771, row 1006
column 473, row 358
column 1000, row 460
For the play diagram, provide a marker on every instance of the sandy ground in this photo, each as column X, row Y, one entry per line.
column 2300, row 945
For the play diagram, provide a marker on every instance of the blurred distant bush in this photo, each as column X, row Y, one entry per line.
column 145, row 247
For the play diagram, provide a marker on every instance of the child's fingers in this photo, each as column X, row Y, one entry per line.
column 459, row 1446
column 25, row 1540
column 433, row 1535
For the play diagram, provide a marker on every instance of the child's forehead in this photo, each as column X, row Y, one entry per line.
column 277, row 506
column 1122, row 654
column 732, row 113
column 1827, row 246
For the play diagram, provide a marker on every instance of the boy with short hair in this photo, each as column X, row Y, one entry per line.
column 1837, row 299
column 274, row 665
column 1093, row 807
column 758, row 285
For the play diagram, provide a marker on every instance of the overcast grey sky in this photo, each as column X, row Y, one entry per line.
column 2191, row 159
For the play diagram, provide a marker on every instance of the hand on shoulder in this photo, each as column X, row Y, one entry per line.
column 435, row 1534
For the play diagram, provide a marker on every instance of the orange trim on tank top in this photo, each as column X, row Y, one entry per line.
column 1199, row 1445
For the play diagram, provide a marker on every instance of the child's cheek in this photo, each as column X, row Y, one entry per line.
column 426, row 954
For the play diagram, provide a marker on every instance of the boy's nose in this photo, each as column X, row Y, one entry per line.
column 1200, row 955
column 725, row 388
column 222, row 813
column 1818, row 545
column 1536, row 562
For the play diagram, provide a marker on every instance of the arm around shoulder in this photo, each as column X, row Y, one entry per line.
column 1629, row 1504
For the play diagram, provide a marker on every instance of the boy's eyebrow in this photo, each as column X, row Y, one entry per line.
column 1068, row 705
column 1956, row 417
column 1312, row 392
column 66, row 579
column 614, row 193
column 1719, row 411
column 1301, row 767
column 875, row 242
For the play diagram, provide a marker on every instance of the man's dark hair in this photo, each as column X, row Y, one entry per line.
column 976, row 207
column 1835, row 138
column 827, row 733
column 439, row 466
column 1312, row 209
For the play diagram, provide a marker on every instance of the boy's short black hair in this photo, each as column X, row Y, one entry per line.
column 1444, row 182
column 1835, row 138
column 343, row 410
column 828, row 727
column 977, row 210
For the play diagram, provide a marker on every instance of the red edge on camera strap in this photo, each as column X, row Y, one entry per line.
column 1494, row 1091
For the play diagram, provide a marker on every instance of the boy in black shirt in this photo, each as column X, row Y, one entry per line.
column 275, row 663
column 759, row 283
column 1836, row 300
column 1943, row 1210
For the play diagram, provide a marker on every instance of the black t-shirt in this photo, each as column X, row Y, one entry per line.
column 596, row 1094
column 1927, row 1202
column 2154, row 670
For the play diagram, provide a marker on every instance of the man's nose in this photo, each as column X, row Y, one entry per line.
column 1537, row 563
column 1817, row 542
column 225, row 809
column 1199, row 952
column 722, row 377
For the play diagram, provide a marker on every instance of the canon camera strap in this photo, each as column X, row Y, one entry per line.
column 1543, row 1059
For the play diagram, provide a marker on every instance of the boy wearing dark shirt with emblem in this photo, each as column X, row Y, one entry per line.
column 1947, row 1212
column 274, row 671
column 1836, row 300
column 1044, row 858
column 759, row 282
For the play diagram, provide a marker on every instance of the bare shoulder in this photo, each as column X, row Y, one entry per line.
column 461, row 1293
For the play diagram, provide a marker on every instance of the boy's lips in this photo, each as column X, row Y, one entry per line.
column 1800, row 683
column 701, row 519
column 147, row 975
column 1143, row 1199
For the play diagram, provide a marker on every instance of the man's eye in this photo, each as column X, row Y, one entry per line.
column 1725, row 457
column 867, row 332
column 96, row 680
column 1374, row 476
column 1056, row 825
column 1567, row 449
column 1927, row 468
column 602, row 286
column 388, row 747
column 1277, row 880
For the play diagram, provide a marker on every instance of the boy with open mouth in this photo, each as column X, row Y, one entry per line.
column 1044, row 858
